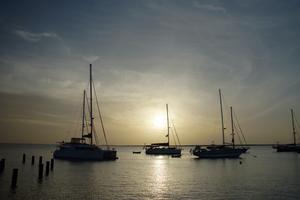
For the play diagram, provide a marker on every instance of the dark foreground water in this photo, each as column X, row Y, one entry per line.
column 263, row 174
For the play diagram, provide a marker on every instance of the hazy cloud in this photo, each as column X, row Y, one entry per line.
column 210, row 7
column 35, row 37
column 91, row 59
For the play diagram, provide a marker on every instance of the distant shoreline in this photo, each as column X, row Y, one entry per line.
column 137, row 145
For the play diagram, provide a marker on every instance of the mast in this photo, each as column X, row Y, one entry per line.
column 168, row 124
column 91, row 105
column 232, row 128
column 293, row 124
column 222, row 119
column 83, row 114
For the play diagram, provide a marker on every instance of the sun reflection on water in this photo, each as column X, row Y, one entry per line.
column 159, row 186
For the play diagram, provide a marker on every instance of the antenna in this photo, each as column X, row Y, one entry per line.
column 232, row 127
column 293, row 124
column 222, row 119
column 168, row 126
column 83, row 115
column 91, row 104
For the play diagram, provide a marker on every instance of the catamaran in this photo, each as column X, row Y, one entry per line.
column 79, row 148
column 163, row 148
column 221, row 151
column 294, row 147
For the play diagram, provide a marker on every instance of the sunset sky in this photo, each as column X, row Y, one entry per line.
column 146, row 54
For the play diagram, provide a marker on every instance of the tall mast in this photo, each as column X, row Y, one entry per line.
column 83, row 114
column 222, row 119
column 293, row 124
column 232, row 128
column 91, row 104
column 168, row 124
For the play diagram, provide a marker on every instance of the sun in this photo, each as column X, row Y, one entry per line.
column 159, row 121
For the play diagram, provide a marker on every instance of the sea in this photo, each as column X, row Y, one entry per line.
column 260, row 174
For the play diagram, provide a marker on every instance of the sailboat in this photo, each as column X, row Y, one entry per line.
column 220, row 151
column 163, row 148
column 79, row 148
column 294, row 147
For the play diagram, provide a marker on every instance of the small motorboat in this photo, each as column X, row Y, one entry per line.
column 176, row 155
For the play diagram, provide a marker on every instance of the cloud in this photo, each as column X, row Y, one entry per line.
column 90, row 59
column 210, row 7
column 35, row 37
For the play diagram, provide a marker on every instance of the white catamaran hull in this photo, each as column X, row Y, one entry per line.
column 79, row 153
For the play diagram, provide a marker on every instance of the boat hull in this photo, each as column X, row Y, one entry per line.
column 163, row 151
column 218, row 153
column 244, row 149
column 75, row 152
column 287, row 148
column 110, row 155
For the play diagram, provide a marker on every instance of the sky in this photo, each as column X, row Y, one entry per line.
column 146, row 54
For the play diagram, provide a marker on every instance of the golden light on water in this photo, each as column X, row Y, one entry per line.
column 159, row 177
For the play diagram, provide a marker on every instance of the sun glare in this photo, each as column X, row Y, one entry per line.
column 159, row 121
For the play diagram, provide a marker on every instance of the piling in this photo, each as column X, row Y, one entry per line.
column 14, row 178
column 2, row 165
column 41, row 160
column 24, row 158
column 41, row 170
column 32, row 160
column 47, row 168
column 52, row 164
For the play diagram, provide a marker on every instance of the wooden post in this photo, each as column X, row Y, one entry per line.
column 32, row 160
column 2, row 165
column 24, row 158
column 41, row 160
column 41, row 169
column 52, row 164
column 47, row 168
column 14, row 178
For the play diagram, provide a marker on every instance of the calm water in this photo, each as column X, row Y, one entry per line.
column 263, row 174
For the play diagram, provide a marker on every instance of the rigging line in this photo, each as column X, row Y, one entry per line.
column 295, row 117
column 173, row 135
column 76, row 126
column 238, row 134
column 86, row 124
column 100, row 116
column 175, row 132
column 224, row 101
column 96, row 136
column 94, row 130
column 238, row 123
column 89, row 110
column 86, row 119
column 227, row 110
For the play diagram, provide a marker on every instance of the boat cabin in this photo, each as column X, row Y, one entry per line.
column 77, row 140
